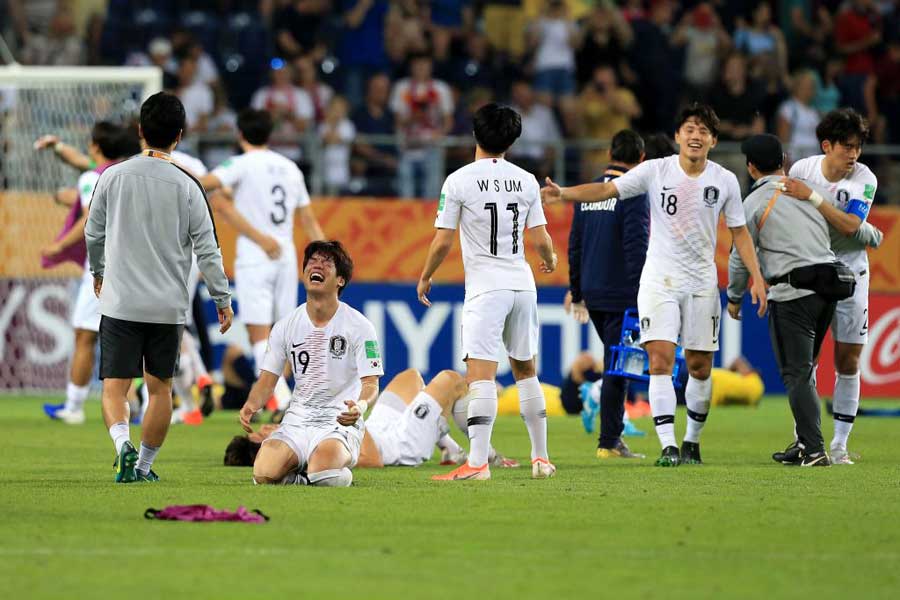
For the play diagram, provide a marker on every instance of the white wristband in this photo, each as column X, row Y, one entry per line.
column 816, row 199
column 363, row 406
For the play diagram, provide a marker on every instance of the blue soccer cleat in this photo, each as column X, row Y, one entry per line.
column 51, row 409
column 589, row 407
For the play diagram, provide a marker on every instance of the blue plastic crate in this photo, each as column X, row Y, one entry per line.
column 630, row 361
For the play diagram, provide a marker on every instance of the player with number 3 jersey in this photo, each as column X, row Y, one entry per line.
column 678, row 297
column 493, row 202
column 267, row 189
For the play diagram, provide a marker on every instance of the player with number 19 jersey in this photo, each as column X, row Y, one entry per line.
column 268, row 188
column 680, row 268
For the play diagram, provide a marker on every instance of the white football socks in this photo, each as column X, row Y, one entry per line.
column 146, row 456
column 120, row 434
column 332, row 478
column 480, row 421
column 75, row 396
column 662, row 406
column 846, row 405
column 533, row 408
column 697, row 395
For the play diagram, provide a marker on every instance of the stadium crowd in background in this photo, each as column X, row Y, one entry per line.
column 574, row 68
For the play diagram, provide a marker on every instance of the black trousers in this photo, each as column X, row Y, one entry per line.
column 797, row 328
column 612, row 390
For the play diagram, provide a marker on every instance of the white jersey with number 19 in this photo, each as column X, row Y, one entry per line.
column 268, row 188
column 684, row 216
column 492, row 201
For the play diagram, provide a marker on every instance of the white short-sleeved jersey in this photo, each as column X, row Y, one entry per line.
column 684, row 215
column 327, row 362
column 492, row 201
column 268, row 188
column 194, row 165
column 86, row 183
column 854, row 194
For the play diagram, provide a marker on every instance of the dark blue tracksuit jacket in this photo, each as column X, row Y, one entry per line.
column 607, row 249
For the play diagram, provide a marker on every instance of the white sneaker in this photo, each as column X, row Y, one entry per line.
column 453, row 458
column 840, row 456
column 541, row 468
column 71, row 417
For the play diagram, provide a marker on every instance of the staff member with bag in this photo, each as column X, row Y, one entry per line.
column 806, row 279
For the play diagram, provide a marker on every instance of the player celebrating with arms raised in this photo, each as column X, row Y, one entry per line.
column 842, row 133
column 493, row 202
column 336, row 362
column 679, row 294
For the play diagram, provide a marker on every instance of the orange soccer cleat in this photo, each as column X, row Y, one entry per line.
column 465, row 472
column 195, row 417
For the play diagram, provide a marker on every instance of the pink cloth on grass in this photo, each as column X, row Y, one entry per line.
column 204, row 512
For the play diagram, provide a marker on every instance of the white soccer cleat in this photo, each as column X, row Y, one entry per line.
column 71, row 417
column 541, row 468
column 449, row 457
column 841, row 456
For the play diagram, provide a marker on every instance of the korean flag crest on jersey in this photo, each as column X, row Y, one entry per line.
column 338, row 346
column 373, row 354
column 710, row 196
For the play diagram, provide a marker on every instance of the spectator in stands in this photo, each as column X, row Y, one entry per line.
column 375, row 164
column 604, row 109
column 504, row 22
column 533, row 151
column 31, row 18
column 405, row 30
column 361, row 49
column 652, row 58
column 477, row 67
column 466, row 107
column 552, row 37
column 298, row 26
column 184, row 43
column 797, row 118
column 291, row 109
column 808, row 34
column 337, row 133
column 450, row 20
column 306, row 76
column 604, row 38
column 196, row 96
column 159, row 54
column 888, row 70
column 59, row 45
column 736, row 102
column 762, row 41
column 423, row 113
column 705, row 41
column 828, row 94
column 857, row 33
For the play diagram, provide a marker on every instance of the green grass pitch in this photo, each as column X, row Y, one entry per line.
column 738, row 527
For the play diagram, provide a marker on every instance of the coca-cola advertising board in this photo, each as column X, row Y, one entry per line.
column 879, row 364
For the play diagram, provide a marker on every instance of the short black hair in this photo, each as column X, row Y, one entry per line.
column 703, row 113
column 841, row 126
column 334, row 250
column 162, row 119
column 627, row 147
column 105, row 135
column 128, row 142
column 496, row 127
column 659, row 145
column 255, row 125
column 241, row 452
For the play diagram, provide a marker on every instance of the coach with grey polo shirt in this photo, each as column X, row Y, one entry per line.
column 788, row 234
column 146, row 217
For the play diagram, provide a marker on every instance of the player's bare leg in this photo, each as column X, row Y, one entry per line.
column 329, row 465
column 274, row 461
column 115, row 415
column 259, row 337
column 482, row 411
column 155, row 424
column 697, row 395
column 845, row 399
column 406, row 385
column 662, row 398
column 80, row 372
column 533, row 408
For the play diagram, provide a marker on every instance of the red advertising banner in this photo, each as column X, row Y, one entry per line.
column 879, row 365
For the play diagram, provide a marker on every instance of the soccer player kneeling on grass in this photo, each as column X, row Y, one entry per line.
column 336, row 362
column 493, row 201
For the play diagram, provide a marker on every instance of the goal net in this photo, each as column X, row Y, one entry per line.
column 35, row 338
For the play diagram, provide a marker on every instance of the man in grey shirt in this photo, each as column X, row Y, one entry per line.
column 146, row 217
column 788, row 234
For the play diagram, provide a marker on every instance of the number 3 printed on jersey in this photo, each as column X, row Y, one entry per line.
column 279, row 197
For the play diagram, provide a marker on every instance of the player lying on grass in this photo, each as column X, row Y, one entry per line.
column 406, row 423
column 336, row 363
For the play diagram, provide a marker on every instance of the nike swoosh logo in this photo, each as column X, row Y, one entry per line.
column 297, row 345
column 669, row 188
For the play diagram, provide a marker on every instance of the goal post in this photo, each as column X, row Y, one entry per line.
column 35, row 303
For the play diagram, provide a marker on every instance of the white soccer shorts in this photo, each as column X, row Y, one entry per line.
column 850, row 323
column 405, row 437
column 498, row 318
column 303, row 439
column 267, row 292
column 667, row 314
column 86, row 313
